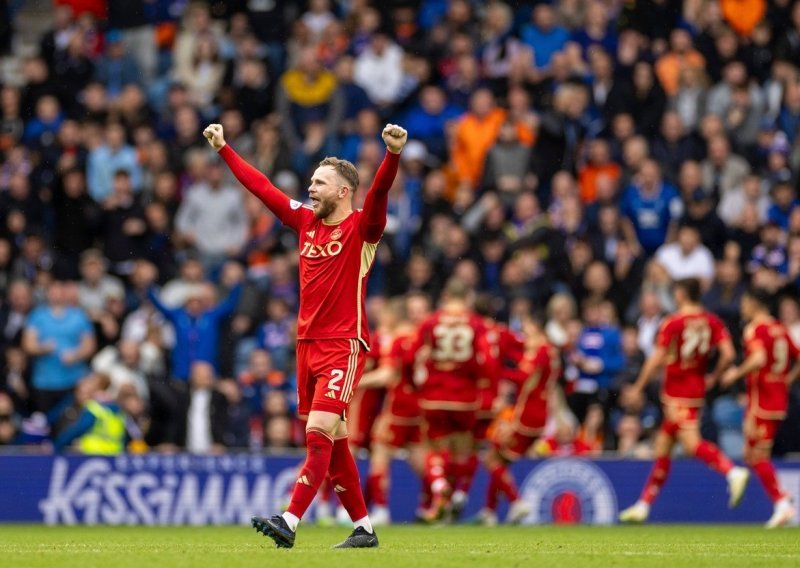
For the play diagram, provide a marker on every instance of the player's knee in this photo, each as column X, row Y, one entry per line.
column 327, row 422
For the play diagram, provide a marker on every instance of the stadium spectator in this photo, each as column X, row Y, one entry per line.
column 211, row 218
column 105, row 161
column 205, row 412
column 59, row 338
column 197, row 326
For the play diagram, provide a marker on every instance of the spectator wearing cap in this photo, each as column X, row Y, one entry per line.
column 114, row 155
column 687, row 257
column 60, row 339
column 212, row 218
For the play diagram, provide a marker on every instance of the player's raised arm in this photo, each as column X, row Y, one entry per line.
column 285, row 209
column 377, row 201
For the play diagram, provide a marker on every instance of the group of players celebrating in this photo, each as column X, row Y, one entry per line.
column 459, row 384
column 445, row 371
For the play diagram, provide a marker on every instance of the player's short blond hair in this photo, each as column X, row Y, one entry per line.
column 346, row 170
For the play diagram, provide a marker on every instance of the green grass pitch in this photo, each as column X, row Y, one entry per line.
column 411, row 546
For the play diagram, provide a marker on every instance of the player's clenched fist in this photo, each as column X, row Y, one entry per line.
column 213, row 134
column 395, row 137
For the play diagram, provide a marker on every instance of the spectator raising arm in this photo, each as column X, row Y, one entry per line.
column 288, row 211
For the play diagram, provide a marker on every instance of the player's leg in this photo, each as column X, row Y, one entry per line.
column 320, row 430
column 708, row 452
column 378, row 479
column 759, row 435
column 496, row 466
column 665, row 440
column 346, row 369
column 462, row 453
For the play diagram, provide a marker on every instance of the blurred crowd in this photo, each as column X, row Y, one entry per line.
column 568, row 156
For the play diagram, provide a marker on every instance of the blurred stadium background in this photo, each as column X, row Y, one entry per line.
column 538, row 129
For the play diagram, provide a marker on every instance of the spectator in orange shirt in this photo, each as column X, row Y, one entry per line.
column 743, row 15
column 598, row 165
column 680, row 56
column 475, row 134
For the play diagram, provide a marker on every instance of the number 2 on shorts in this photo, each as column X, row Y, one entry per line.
column 336, row 377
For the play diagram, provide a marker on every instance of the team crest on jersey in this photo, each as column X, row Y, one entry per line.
column 295, row 204
column 336, row 234
column 569, row 491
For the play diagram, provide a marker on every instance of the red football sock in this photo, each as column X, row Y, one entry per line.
column 436, row 468
column 319, row 447
column 711, row 455
column 376, row 487
column 326, row 490
column 346, row 481
column 506, row 484
column 492, row 491
column 765, row 472
column 470, row 468
column 655, row 481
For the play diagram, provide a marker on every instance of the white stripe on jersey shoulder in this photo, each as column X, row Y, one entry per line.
column 307, row 207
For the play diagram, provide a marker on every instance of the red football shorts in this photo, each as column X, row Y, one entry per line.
column 760, row 432
column 397, row 434
column 482, row 425
column 364, row 410
column 439, row 424
column 679, row 417
column 515, row 446
column 328, row 371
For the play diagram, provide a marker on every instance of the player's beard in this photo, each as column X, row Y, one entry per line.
column 323, row 208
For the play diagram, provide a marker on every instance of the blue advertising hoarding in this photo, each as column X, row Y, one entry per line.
column 183, row 489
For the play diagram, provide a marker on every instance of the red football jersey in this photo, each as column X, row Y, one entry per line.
column 502, row 345
column 541, row 369
column 451, row 356
column 335, row 260
column 689, row 339
column 402, row 400
column 768, row 387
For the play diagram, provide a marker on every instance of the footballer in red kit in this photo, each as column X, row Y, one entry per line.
column 451, row 358
column 769, row 367
column 539, row 368
column 398, row 426
column 684, row 346
column 337, row 249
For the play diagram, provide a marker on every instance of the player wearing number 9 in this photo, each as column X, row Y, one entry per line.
column 768, row 369
column 684, row 346
column 451, row 354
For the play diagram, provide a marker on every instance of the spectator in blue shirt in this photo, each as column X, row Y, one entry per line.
column 197, row 326
column 651, row 206
column 596, row 30
column 544, row 36
column 276, row 335
column 598, row 357
column 45, row 125
column 60, row 339
column 428, row 118
column 106, row 160
column 116, row 69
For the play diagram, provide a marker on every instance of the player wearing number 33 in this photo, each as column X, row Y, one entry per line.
column 337, row 249
column 684, row 345
column 451, row 359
